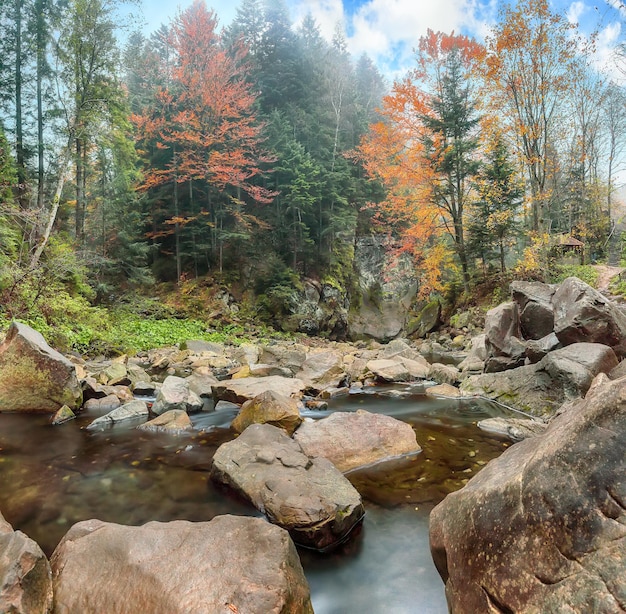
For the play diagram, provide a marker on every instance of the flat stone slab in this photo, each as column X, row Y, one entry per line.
column 356, row 439
column 241, row 390
column 231, row 564
column 307, row 496
column 128, row 411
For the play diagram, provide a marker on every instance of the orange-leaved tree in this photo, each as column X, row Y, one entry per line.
column 424, row 151
column 202, row 121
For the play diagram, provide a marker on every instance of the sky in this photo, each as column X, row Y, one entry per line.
column 388, row 30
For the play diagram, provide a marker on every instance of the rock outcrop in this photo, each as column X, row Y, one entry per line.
column 307, row 496
column 25, row 577
column 541, row 388
column 33, row 376
column 231, row 564
column 543, row 527
column 355, row 439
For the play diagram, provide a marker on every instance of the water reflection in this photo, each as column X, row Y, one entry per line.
column 53, row 477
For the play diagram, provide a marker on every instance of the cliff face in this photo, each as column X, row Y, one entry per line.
column 387, row 286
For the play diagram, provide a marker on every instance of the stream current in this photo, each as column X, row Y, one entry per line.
column 55, row 476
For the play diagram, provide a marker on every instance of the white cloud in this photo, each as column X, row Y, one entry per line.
column 576, row 11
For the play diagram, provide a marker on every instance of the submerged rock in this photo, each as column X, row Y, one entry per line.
column 172, row 421
column 25, row 577
column 128, row 411
column 355, row 439
column 230, row 564
column 542, row 528
column 514, row 429
column 33, row 376
column 307, row 496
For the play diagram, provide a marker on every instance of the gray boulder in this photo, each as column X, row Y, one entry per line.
column 351, row 440
column 25, row 576
column 230, row 564
column 583, row 314
column 322, row 370
column 534, row 301
column 542, row 528
column 33, row 376
column 538, row 348
column 389, row 370
column 502, row 331
column 541, row 388
column 307, row 496
column 175, row 394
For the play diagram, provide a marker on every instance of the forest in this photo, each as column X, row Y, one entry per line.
column 144, row 176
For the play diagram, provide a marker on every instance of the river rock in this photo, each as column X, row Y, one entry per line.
column 25, row 576
column 389, row 370
column 502, row 331
column 443, row 390
column 115, row 374
column 583, row 314
column 444, row 374
column 307, row 496
column 241, row 390
column 541, row 388
column 128, row 411
column 537, row 349
column 514, row 429
column 355, row 439
column 33, row 376
column 175, row 394
column 65, row 414
column 269, row 407
column 321, row 370
column 534, row 300
column 230, row 564
column 198, row 346
column 172, row 421
column 542, row 528
column 108, row 403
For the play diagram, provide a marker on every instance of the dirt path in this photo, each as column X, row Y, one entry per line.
column 605, row 274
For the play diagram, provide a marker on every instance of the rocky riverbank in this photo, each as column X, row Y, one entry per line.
column 552, row 351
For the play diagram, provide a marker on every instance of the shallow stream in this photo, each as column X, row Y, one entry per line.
column 53, row 477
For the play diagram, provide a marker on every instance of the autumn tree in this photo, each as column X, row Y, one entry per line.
column 204, row 126
column 424, row 149
column 530, row 60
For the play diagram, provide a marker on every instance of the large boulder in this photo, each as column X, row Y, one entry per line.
column 33, row 376
column 231, row 564
column 174, row 421
column 307, row 496
column 543, row 527
column 25, row 577
column 502, row 332
column 583, row 314
column 269, row 407
column 534, row 301
column 246, row 388
column 541, row 388
column 355, row 439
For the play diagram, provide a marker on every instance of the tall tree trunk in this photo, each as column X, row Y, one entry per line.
column 19, row 128
column 63, row 171
column 41, row 58
column 80, row 195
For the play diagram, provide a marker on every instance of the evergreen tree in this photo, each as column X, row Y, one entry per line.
column 495, row 221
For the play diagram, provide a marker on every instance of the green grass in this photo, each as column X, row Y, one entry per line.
column 584, row 272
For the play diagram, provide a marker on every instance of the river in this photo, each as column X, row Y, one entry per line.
column 54, row 476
